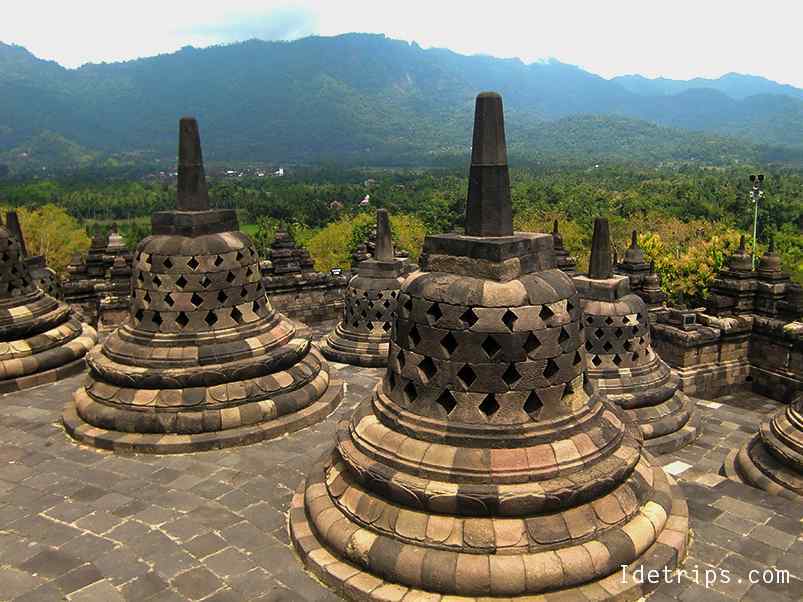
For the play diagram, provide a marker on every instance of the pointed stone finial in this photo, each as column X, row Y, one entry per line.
column 771, row 250
column 634, row 240
column 13, row 225
column 192, row 194
column 489, row 211
column 599, row 266
column 555, row 227
column 741, row 243
column 652, row 267
column 384, row 243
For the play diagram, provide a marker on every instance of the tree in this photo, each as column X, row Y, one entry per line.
column 54, row 233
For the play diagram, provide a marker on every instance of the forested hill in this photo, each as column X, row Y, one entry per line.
column 368, row 99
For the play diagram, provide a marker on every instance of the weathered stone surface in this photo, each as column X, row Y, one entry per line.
column 362, row 338
column 40, row 339
column 621, row 361
column 485, row 463
column 203, row 360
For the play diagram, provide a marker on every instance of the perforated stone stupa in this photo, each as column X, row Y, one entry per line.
column 362, row 338
column 204, row 360
column 621, row 361
column 43, row 276
column 563, row 260
column 484, row 464
column 644, row 282
column 41, row 340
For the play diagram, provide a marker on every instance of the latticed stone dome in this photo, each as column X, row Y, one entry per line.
column 485, row 464
column 40, row 339
column 204, row 360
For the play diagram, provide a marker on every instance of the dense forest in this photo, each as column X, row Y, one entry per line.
column 370, row 100
column 688, row 218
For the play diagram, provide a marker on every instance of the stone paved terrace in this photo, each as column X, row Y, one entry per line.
column 85, row 525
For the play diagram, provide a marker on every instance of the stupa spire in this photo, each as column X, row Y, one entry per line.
column 384, row 243
column 13, row 225
column 488, row 208
column 192, row 194
column 599, row 266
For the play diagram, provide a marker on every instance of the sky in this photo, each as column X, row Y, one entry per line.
column 679, row 39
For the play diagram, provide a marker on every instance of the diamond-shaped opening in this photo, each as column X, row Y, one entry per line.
column 563, row 336
column 387, row 326
column 255, row 306
column 532, row 343
column 147, row 297
column 139, row 315
column 386, row 304
column 148, row 260
column 446, row 401
column 222, row 297
column 205, row 281
column 469, row 318
column 598, row 333
column 596, row 361
column 619, row 332
column 434, row 312
column 218, row 261
column 410, row 394
column 193, row 263
column 639, row 317
column 569, row 305
column 466, row 375
column 140, row 277
column 379, row 295
column 239, row 256
column 589, row 320
column 400, row 358
column 607, row 346
column 364, row 314
column 628, row 345
column 551, row 369
column 489, row 405
column 169, row 301
column 577, row 358
column 617, row 359
column 490, row 346
column 168, row 263
column 625, row 320
column 157, row 318
column 533, row 405
column 157, row 281
column 369, row 325
column 589, row 345
column 248, row 273
column 635, row 355
column 609, row 320
column 182, row 319
column 378, row 315
column 230, row 277
column 210, row 318
column 449, row 343
column 408, row 304
column 414, row 336
column 393, row 295
column 511, row 375
column 196, row 300
column 236, row 315
column 509, row 319
column 545, row 313
column 568, row 391
column 181, row 282
column 427, row 368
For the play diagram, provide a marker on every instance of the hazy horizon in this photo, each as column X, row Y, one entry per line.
column 677, row 41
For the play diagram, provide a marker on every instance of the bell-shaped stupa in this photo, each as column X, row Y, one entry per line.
column 484, row 465
column 362, row 338
column 563, row 260
column 773, row 459
column 41, row 340
column 203, row 361
column 621, row 360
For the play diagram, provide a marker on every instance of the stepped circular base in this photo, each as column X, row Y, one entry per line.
column 740, row 466
column 508, row 576
column 43, row 378
column 673, row 441
column 155, row 443
column 341, row 346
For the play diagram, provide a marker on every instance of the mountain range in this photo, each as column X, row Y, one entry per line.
column 369, row 99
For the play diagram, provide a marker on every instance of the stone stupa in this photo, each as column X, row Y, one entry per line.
column 41, row 341
column 362, row 338
column 773, row 459
column 484, row 464
column 621, row 360
column 203, row 361
column 644, row 282
column 43, row 276
column 563, row 260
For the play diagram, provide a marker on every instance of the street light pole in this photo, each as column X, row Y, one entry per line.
column 756, row 194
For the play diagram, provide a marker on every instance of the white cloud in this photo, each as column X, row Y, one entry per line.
column 679, row 39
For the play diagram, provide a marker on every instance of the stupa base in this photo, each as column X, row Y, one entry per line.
column 507, row 572
column 357, row 350
column 670, row 442
column 158, row 443
column 743, row 465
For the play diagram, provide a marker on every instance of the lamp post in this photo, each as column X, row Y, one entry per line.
column 756, row 194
